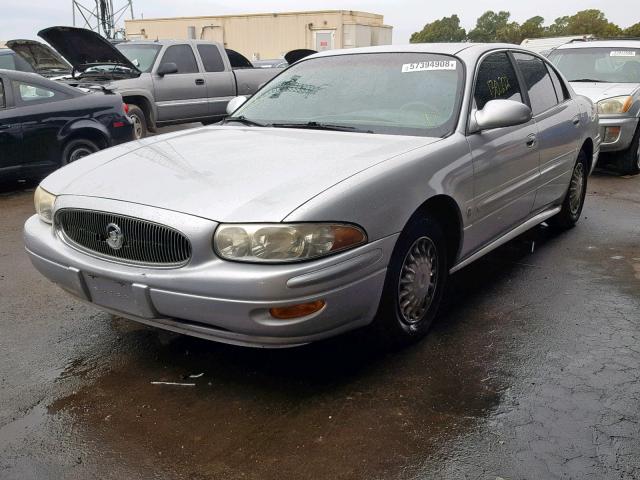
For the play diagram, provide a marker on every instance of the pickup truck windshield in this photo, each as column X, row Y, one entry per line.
column 598, row 64
column 142, row 56
column 390, row 93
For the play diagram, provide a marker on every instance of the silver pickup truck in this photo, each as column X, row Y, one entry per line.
column 163, row 82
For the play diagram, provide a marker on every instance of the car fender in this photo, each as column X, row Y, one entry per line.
column 83, row 124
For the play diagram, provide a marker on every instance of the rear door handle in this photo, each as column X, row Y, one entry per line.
column 531, row 140
column 576, row 120
column 199, row 81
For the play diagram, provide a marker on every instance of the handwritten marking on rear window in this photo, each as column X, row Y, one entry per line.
column 498, row 87
column 622, row 53
column 429, row 66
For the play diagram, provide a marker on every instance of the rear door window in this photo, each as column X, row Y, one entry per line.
column 211, row 58
column 496, row 79
column 542, row 93
column 561, row 90
column 183, row 57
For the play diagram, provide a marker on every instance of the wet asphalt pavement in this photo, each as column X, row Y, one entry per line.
column 532, row 371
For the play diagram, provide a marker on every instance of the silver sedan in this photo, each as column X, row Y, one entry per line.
column 340, row 196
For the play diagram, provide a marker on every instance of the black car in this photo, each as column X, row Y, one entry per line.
column 46, row 124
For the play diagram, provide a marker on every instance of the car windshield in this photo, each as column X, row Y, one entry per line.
column 600, row 64
column 142, row 56
column 390, row 93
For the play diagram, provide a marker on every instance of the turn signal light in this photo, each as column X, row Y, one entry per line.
column 297, row 311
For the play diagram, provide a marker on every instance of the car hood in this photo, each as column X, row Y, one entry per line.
column 597, row 91
column 42, row 58
column 226, row 173
column 83, row 48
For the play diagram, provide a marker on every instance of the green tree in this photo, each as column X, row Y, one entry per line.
column 446, row 29
column 487, row 26
column 510, row 33
column 632, row 31
column 592, row 21
column 559, row 28
column 532, row 28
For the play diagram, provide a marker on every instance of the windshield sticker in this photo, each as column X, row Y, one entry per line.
column 622, row 53
column 429, row 66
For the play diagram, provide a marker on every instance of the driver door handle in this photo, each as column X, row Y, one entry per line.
column 532, row 140
column 199, row 81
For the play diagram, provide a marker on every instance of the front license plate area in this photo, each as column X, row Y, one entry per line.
column 113, row 294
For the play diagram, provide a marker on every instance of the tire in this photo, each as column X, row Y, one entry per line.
column 397, row 324
column 628, row 162
column 574, row 198
column 77, row 149
column 140, row 128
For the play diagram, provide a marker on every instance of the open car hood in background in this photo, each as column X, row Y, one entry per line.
column 83, row 48
column 42, row 58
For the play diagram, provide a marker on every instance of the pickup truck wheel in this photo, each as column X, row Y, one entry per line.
column 77, row 149
column 629, row 161
column 139, row 122
column 414, row 285
column 574, row 198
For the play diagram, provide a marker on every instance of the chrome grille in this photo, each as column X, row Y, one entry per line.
column 132, row 240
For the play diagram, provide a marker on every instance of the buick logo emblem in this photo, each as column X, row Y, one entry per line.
column 115, row 238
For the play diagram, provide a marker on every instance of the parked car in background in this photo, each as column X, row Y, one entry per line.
column 163, row 82
column 10, row 61
column 45, row 124
column 608, row 72
column 41, row 58
column 340, row 196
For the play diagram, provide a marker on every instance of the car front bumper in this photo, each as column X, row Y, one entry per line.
column 628, row 126
column 216, row 299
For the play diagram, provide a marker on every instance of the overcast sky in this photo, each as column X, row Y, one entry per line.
column 23, row 18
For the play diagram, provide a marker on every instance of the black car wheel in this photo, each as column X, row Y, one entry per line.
column 414, row 284
column 77, row 149
column 629, row 161
column 139, row 122
column 574, row 198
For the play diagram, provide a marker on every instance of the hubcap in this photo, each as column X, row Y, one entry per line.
column 418, row 278
column 79, row 153
column 575, row 189
column 137, row 126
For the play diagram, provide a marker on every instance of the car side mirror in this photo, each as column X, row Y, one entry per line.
column 499, row 114
column 167, row 68
column 235, row 103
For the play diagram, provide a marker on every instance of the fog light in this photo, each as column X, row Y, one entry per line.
column 296, row 311
column 611, row 134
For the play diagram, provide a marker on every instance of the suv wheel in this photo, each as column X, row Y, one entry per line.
column 77, row 149
column 139, row 122
column 414, row 284
column 629, row 161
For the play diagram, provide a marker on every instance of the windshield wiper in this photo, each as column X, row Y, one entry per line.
column 321, row 126
column 595, row 80
column 246, row 121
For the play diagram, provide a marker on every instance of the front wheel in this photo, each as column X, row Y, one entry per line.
column 574, row 199
column 414, row 284
column 139, row 122
column 77, row 149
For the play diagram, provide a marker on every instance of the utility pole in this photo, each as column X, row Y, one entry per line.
column 101, row 16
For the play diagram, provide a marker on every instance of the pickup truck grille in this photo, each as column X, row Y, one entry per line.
column 122, row 238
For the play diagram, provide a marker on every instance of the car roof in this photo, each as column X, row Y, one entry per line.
column 6, row 51
column 601, row 43
column 472, row 49
column 38, row 80
column 162, row 42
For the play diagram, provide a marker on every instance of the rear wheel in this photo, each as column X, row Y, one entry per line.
column 136, row 115
column 77, row 149
column 574, row 199
column 629, row 161
column 414, row 284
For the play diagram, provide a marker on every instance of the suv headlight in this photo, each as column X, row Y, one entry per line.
column 615, row 105
column 277, row 242
column 44, row 202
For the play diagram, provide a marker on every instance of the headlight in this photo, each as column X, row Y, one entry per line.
column 615, row 105
column 44, row 202
column 276, row 242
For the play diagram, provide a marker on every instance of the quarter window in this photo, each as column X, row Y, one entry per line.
column 496, row 80
column 561, row 89
column 211, row 58
column 541, row 90
column 33, row 93
column 183, row 57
